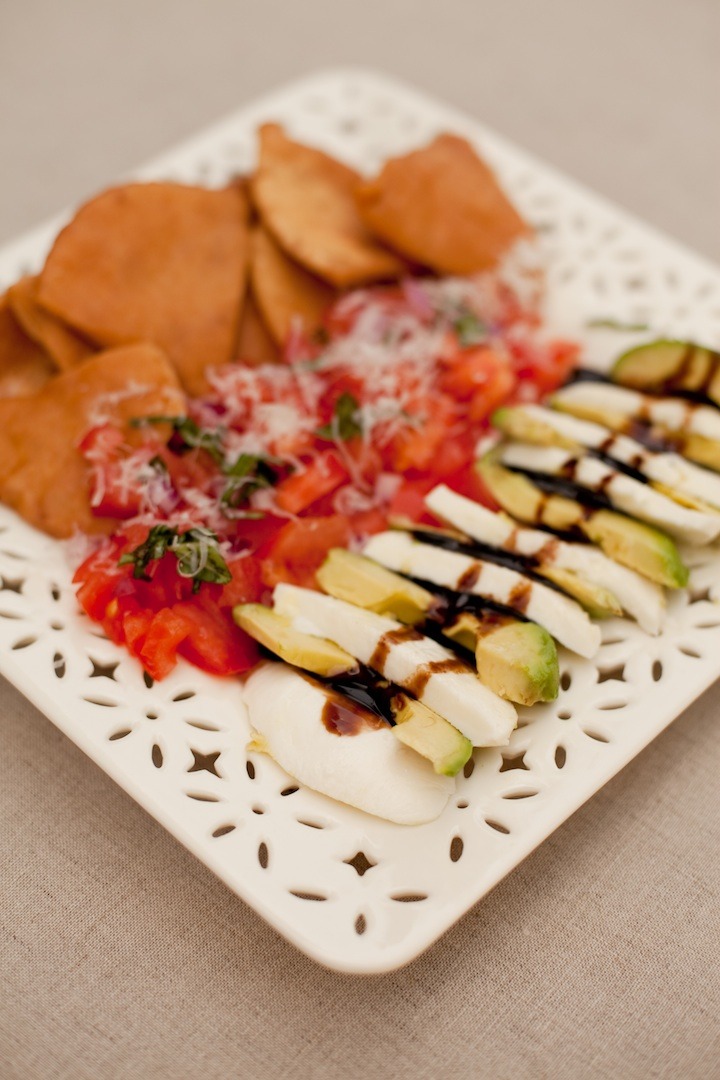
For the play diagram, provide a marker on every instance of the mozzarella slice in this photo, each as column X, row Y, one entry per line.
column 561, row 616
column 675, row 414
column 669, row 469
column 626, row 494
column 638, row 596
column 426, row 669
column 371, row 770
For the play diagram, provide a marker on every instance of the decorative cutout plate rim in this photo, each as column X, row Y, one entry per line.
column 354, row 893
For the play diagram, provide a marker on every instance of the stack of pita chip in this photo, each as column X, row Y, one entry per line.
column 151, row 285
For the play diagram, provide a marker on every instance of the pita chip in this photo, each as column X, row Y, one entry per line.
column 43, row 475
column 59, row 341
column 24, row 366
column 307, row 200
column 158, row 262
column 443, row 207
column 284, row 291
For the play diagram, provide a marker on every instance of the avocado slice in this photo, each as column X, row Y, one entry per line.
column 348, row 576
column 518, row 660
column 632, row 543
column 699, row 449
column 668, row 366
column 430, row 735
column 596, row 599
column 518, row 424
column 277, row 634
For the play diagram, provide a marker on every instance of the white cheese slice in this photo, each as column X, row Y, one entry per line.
column 371, row 770
column 626, row 494
column 669, row 469
column 675, row 414
column 457, row 693
column 561, row 616
column 638, row 596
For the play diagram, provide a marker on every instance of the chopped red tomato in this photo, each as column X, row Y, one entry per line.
column 301, row 546
column 409, row 500
column 158, row 650
column 214, row 643
column 115, row 490
column 246, row 585
column 417, row 444
column 288, row 460
column 319, row 477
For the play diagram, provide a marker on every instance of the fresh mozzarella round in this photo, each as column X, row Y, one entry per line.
column 371, row 770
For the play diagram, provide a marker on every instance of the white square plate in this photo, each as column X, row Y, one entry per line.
column 353, row 892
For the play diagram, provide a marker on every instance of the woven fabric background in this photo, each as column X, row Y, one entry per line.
column 120, row 955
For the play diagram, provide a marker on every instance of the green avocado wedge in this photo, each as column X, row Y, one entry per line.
column 516, row 424
column 669, row 366
column 518, row 660
column 358, row 580
column 276, row 633
column 632, row 543
column 429, row 735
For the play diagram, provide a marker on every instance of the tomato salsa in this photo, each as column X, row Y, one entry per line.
column 281, row 462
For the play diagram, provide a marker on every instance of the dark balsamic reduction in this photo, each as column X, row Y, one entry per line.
column 580, row 374
column 367, row 690
column 386, row 642
column 342, row 715
column 642, row 431
column 435, row 667
column 474, row 549
column 521, row 564
column 630, row 468
column 567, row 488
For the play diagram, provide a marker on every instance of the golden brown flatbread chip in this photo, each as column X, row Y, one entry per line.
column 59, row 341
column 255, row 343
column 155, row 262
column 442, row 206
column 24, row 366
column 306, row 199
column 284, row 291
column 42, row 473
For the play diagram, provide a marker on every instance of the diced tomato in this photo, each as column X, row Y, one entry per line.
column 421, row 414
column 96, row 592
column 193, row 468
column 409, row 500
column 467, row 371
column 158, row 651
column 214, row 643
column 246, row 585
column 367, row 460
column 416, row 446
column 135, row 626
column 115, row 490
column 254, row 533
column 498, row 389
column 467, row 482
column 454, row 453
column 301, row 546
column 543, row 370
column 319, row 477
column 368, row 522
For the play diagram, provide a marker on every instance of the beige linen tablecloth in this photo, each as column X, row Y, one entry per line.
column 120, row 955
